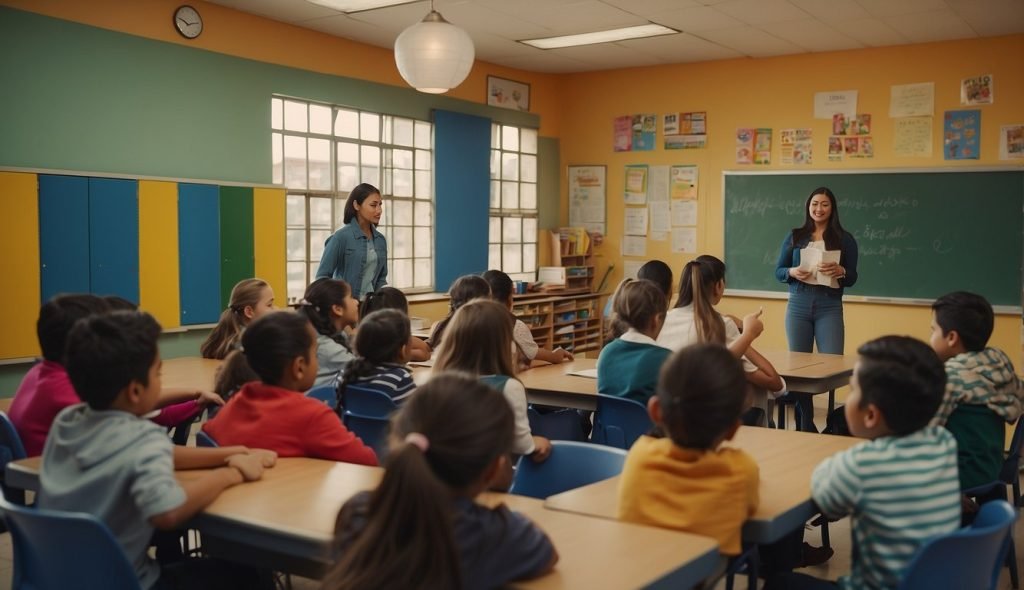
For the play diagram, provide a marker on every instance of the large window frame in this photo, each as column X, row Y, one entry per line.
column 513, row 216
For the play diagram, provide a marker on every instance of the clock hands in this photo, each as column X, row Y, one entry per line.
column 185, row 22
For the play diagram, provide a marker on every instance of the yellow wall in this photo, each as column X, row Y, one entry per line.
column 778, row 93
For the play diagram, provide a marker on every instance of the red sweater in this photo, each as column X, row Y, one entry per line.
column 267, row 417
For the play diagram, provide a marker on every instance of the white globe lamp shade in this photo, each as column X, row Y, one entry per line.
column 434, row 56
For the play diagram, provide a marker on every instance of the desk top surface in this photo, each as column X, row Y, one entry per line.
column 190, row 372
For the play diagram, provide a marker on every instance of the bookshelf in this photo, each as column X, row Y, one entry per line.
column 572, row 249
column 572, row 322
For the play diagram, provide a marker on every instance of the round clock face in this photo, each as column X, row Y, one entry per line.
column 188, row 22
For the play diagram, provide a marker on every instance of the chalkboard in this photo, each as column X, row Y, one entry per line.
column 920, row 234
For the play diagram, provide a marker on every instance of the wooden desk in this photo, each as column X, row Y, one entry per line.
column 190, row 372
column 812, row 372
column 286, row 521
column 786, row 460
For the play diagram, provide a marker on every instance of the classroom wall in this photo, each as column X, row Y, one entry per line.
column 778, row 93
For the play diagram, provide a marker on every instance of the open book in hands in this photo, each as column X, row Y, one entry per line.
column 810, row 258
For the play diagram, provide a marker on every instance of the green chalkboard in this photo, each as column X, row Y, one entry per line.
column 920, row 234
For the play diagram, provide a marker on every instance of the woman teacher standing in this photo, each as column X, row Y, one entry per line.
column 815, row 310
column 358, row 253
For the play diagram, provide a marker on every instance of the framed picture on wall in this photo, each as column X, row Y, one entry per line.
column 508, row 94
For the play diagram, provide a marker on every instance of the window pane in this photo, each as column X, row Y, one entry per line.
column 296, row 239
column 528, row 168
column 424, row 184
column 423, row 135
column 348, row 178
column 512, row 229
column 387, row 122
column 424, row 214
column 370, row 170
column 424, row 246
column 529, row 257
column 346, row 124
column 495, row 164
column 528, row 196
column 320, row 164
column 348, row 153
column 510, row 195
column 423, row 160
column 529, row 230
column 319, row 119
column 296, row 280
column 509, row 166
column 295, row 116
column 494, row 256
column 495, row 137
column 320, row 212
column 276, row 113
column 401, row 159
column 313, row 265
column 277, row 158
column 510, row 138
column 402, row 183
column 369, row 127
column 294, row 161
column 511, row 258
column 424, row 273
column 295, row 211
column 402, row 247
column 403, row 131
column 317, row 238
column 402, row 211
column 402, row 276
column 494, row 231
column 495, row 195
column 528, row 141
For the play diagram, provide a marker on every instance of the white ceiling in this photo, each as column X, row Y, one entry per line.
column 712, row 29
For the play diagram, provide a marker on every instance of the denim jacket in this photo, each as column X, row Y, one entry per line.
column 789, row 256
column 345, row 255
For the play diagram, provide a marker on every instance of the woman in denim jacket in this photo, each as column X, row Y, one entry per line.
column 358, row 253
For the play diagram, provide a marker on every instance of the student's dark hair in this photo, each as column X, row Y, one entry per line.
column 834, row 232
column 379, row 340
column 273, row 341
column 320, row 296
column 118, row 303
column 969, row 314
column 702, row 391
column 659, row 273
column 480, row 340
column 224, row 337
column 638, row 303
column 232, row 374
column 383, row 298
column 408, row 539
column 696, row 287
column 501, row 285
column 107, row 352
column 358, row 195
column 58, row 315
column 904, row 378
column 465, row 289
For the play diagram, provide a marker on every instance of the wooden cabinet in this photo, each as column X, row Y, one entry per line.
column 572, row 249
column 572, row 322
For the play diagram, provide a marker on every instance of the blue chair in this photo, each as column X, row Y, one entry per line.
column 368, row 415
column 571, row 465
column 56, row 550
column 372, row 430
column 619, row 421
column 205, row 440
column 968, row 558
column 324, row 393
column 557, row 425
column 11, row 449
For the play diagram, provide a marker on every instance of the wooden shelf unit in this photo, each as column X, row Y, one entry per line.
column 577, row 258
column 572, row 322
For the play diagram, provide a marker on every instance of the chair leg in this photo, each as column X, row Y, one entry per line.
column 1011, row 562
column 782, row 415
column 831, row 400
column 825, row 541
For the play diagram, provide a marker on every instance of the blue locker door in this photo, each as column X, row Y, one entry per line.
column 114, row 237
column 63, row 235
column 199, row 252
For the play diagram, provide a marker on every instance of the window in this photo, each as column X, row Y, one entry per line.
column 321, row 152
column 512, row 234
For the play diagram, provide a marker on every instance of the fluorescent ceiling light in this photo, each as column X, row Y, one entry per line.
column 638, row 32
column 359, row 5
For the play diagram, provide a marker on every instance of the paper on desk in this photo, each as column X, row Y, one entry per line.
column 810, row 258
column 591, row 373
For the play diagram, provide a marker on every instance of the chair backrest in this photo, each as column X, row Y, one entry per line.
column 11, row 449
column 55, row 550
column 570, row 465
column 367, row 401
column 971, row 557
column 619, row 421
column 205, row 440
column 1008, row 473
column 325, row 393
column 372, row 430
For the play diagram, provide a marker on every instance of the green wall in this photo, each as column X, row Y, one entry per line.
column 548, row 179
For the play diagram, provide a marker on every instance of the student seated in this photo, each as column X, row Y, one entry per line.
column 331, row 309
column 628, row 366
column 250, row 299
column 685, row 480
column 653, row 270
column 900, row 488
column 101, row 458
column 465, row 289
column 528, row 350
column 421, row 527
column 273, row 413
column 392, row 298
column 381, row 345
column 983, row 392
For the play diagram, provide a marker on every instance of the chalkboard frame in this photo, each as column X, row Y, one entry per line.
column 1017, row 310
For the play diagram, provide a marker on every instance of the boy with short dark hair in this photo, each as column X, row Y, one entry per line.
column 900, row 487
column 983, row 392
column 103, row 459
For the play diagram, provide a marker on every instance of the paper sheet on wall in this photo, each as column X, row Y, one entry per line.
column 659, row 218
column 657, row 184
column 912, row 137
column 635, row 221
column 827, row 104
column 658, row 236
column 630, row 268
column 587, row 192
column 684, row 212
column 683, row 182
column 635, row 192
column 634, row 246
column 684, row 240
column 912, row 100
column 1011, row 142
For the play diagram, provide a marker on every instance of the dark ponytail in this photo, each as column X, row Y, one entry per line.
column 379, row 340
column 463, row 290
column 316, row 305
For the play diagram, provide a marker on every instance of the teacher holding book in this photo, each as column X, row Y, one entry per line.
column 818, row 260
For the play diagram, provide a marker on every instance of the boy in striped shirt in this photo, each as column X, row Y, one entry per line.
column 900, row 488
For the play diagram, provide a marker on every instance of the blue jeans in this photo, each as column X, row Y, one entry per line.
column 814, row 314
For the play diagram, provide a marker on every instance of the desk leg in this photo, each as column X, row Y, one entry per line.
column 831, row 400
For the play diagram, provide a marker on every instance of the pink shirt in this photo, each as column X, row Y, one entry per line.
column 43, row 393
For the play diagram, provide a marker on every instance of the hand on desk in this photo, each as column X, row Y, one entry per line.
column 267, row 457
column 208, row 398
column 250, row 465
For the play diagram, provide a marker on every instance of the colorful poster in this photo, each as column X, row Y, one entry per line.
column 623, row 134
column 645, row 130
column 977, row 90
column 962, row 135
column 1011, row 142
column 636, row 185
column 763, row 146
column 912, row 137
column 685, row 142
column 685, row 130
column 683, row 182
column 796, row 146
column 835, row 148
column 745, row 145
column 912, row 100
column 855, row 125
column 827, row 104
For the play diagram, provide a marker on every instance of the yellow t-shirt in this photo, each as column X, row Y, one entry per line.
column 709, row 493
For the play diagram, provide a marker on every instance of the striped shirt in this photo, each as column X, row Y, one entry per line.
column 900, row 492
column 394, row 380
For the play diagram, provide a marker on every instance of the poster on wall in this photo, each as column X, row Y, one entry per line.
column 645, row 129
column 1011, row 142
column 763, row 146
column 835, row 148
column 961, row 136
column 912, row 137
column 508, row 94
column 827, row 104
column 683, row 182
column 685, row 130
column 684, row 240
column 912, row 100
column 635, row 190
column 587, row 195
column 859, row 147
column 977, row 90
column 745, row 145
column 635, row 221
column 796, row 146
column 622, row 134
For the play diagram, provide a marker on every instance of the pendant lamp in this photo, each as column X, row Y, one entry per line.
column 434, row 56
